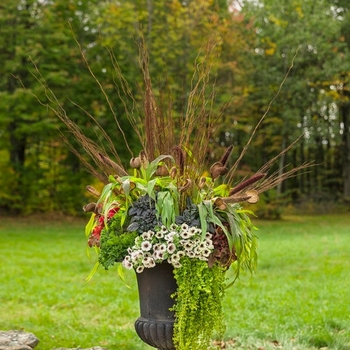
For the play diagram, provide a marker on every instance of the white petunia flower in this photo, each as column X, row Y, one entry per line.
column 206, row 252
column 146, row 246
column 192, row 231
column 139, row 269
column 198, row 231
column 173, row 227
column 181, row 253
column 190, row 254
column 177, row 265
column 170, row 236
column 127, row 264
column 185, row 234
column 184, row 227
column 188, row 246
column 148, row 235
column 208, row 235
column 175, row 258
column 158, row 255
column 159, row 234
column 148, row 262
column 171, row 248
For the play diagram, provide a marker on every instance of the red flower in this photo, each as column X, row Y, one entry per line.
column 112, row 212
column 101, row 220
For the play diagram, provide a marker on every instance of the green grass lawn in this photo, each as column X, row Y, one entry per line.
column 298, row 299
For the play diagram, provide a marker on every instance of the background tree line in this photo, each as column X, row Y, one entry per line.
column 255, row 42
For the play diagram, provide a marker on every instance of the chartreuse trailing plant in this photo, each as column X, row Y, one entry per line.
column 169, row 205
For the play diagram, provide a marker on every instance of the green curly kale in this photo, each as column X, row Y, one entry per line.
column 114, row 243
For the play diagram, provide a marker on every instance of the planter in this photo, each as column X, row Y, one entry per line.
column 155, row 326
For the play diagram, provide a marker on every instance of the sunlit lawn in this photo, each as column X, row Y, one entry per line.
column 298, row 299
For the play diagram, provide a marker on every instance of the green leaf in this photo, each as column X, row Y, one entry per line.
column 121, row 275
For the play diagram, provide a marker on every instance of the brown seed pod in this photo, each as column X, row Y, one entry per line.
column 220, row 203
column 162, row 170
column 173, row 172
column 93, row 191
column 89, row 208
column 217, row 169
column 253, row 196
column 135, row 163
column 187, row 185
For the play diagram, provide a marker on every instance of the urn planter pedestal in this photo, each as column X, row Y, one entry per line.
column 155, row 326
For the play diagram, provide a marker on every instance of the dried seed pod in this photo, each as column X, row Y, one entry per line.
column 253, row 196
column 93, row 191
column 173, row 172
column 187, row 185
column 217, row 169
column 135, row 163
column 220, row 203
column 89, row 208
column 162, row 170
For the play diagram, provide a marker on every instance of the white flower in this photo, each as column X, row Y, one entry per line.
column 198, row 231
column 127, row 263
column 177, row 265
column 146, row 246
column 208, row 235
column 202, row 245
column 175, row 258
column 148, row 262
column 185, row 234
column 173, row 227
column 135, row 255
column 139, row 269
column 159, row 234
column 181, row 254
column 210, row 244
column 190, row 254
column 163, row 229
column 158, row 255
column 171, row 248
column 192, row 231
column 188, row 245
column 170, row 236
column 162, row 247
column 148, row 235
column 184, row 227
column 206, row 252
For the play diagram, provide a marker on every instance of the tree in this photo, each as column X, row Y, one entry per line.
column 306, row 102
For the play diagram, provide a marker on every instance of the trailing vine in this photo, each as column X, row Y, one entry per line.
column 198, row 304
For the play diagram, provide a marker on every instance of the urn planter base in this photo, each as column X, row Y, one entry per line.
column 155, row 326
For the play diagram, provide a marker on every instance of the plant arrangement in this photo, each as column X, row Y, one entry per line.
column 169, row 205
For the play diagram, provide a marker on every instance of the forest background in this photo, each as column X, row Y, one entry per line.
column 255, row 43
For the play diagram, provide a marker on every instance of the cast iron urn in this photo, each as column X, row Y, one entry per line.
column 155, row 326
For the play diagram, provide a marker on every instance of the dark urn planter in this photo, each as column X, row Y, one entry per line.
column 155, row 326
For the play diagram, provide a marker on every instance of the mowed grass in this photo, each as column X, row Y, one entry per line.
column 298, row 299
